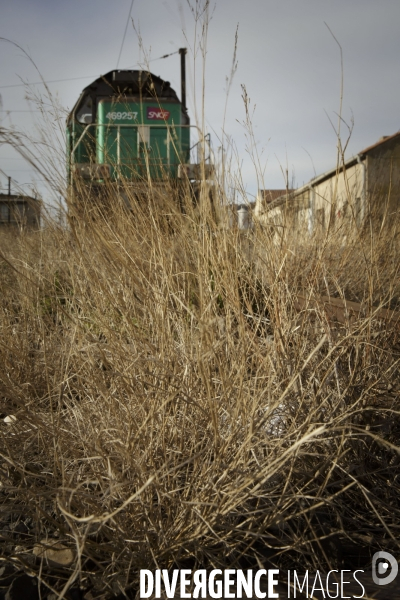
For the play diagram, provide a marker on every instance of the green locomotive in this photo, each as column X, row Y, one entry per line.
column 130, row 126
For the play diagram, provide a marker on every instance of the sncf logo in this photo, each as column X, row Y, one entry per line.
column 157, row 113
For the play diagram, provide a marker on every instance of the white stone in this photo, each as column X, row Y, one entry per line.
column 10, row 419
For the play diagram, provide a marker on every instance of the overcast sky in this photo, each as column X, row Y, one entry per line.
column 287, row 60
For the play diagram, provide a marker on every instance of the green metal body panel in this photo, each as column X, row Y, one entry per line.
column 85, row 143
column 134, row 138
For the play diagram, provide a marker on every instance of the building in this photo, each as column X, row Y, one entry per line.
column 366, row 185
column 17, row 210
column 266, row 197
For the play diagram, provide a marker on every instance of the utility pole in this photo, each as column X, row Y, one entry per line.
column 9, row 199
column 182, row 52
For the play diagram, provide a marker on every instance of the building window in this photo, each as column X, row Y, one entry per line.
column 17, row 212
column 357, row 210
column 321, row 218
column 4, row 212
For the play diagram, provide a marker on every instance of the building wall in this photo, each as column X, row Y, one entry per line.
column 289, row 214
column 267, row 197
column 336, row 202
column 383, row 185
column 367, row 186
column 339, row 200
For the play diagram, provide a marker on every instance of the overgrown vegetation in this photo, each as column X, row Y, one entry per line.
column 173, row 408
column 168, row 405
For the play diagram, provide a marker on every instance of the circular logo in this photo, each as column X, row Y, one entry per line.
column 383, row 564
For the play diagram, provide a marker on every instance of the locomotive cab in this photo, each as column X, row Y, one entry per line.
column 128, row 125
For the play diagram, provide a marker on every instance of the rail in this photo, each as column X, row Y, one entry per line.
column 344, row 311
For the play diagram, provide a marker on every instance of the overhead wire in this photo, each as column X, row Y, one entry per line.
column 126, row 29
column 45, row 82
column 77, row 78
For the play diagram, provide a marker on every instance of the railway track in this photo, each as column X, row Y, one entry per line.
column 344, row 311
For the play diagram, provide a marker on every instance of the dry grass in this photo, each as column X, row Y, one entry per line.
column 173, row 409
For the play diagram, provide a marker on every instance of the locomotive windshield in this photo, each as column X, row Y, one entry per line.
column 84, row 113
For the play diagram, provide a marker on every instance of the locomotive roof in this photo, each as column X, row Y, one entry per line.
column 127, row 82
column 130, row 81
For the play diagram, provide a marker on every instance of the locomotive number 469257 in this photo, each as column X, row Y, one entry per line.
column 122, row 116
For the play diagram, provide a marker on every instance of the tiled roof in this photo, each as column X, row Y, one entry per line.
column 383, row 140
column 271, row 195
